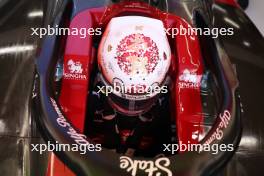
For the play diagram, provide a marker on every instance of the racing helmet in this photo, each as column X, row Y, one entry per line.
column 134, row 56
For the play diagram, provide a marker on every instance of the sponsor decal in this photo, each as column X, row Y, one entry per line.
column 74, row 70
column 195, row 135
column 189, row 80
column 74, row 67
column 159, row 166
column 61, row 120
column 218, row 134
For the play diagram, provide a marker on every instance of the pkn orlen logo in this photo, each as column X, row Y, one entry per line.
column 151, row 168
column 74, row 70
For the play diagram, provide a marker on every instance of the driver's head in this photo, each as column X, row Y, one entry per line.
column 134, row 57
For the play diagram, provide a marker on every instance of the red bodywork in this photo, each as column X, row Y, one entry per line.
column 186, row 55
column 229, row 2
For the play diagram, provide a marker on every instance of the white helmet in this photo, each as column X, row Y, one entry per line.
column 134, row 57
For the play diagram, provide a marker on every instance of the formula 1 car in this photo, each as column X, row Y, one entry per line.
column 201, row 106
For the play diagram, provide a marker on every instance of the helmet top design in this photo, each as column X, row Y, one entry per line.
column 137, row 54
column 134, row 52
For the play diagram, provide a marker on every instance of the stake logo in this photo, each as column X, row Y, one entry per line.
column 159, row 167
column 74, row 70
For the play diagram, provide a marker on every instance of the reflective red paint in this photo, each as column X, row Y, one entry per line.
column 229, row 2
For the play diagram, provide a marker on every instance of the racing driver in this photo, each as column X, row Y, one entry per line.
column 131, row 88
